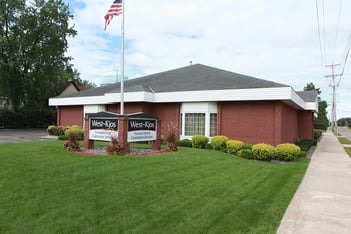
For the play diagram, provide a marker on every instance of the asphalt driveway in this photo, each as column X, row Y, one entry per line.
column 23, row 135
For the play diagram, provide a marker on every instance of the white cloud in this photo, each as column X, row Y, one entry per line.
column 274, row 40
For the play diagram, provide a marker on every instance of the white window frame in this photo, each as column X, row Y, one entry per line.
column 206, row 108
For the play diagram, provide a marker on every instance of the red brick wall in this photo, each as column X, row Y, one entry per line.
column 305, row 125
column 289, row 124
column 251, row 122
column 169, row 114
column 271, row 122
column 70, row 115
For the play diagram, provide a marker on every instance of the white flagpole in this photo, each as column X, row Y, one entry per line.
column 122, row 59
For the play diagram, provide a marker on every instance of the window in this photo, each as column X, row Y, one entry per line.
column 198, row 118
column 195, row 124
column 213, row 124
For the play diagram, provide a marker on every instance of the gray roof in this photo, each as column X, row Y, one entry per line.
column 308, row 96
column 190, row 78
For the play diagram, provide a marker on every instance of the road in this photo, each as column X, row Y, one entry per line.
column 345, row 132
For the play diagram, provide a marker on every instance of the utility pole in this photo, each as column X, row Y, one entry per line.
column 334, row 86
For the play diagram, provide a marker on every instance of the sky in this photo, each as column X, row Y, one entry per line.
column 274, row 40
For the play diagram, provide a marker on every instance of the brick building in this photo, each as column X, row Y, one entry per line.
column 203, row 100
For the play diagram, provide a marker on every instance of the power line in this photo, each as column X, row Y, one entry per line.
column 348, row 47
column 319, row 35
column 337, row 27
column 324, row 35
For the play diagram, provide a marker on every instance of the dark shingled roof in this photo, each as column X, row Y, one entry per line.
column 308, row 96
column 190, row 78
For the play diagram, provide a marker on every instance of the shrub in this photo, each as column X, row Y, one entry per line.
column 245, row 153
column 25, row 118
column 263, row 152
column 233, row 146
column 288, row 152
column 317, row 133
column 171, row 137
column 75, row 129
column 219, row 143
column 113, row 148
column 305, row 145
column 184, row 143
column 163, row 140
column 62, row 138
column 52, row 130
column 199, row 141
column 72, row 144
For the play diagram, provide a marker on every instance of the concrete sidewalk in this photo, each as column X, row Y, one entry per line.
column 322, row 203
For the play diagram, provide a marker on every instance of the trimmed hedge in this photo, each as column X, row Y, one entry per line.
column 305, row 145
column 219, row 143
column 233, row 146
column 287, row 152
column 199, row 141
column 263, row 152
column 317, row 133
column 184, row 143
column 74, row 130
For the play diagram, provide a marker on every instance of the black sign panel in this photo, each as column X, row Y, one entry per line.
column 141, row 130
column 141, row 125
column 104, row 123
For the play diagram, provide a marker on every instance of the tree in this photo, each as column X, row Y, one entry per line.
column 322, row 121
column 344, row 122
column 75, row 76
column 33, row 65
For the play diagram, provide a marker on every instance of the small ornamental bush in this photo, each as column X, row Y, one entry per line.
column 184, row 143
column 305, row 145
column 113, row 148
column 199, row 141
column 61, row 130
column 57, row 130
column 52, row 130
column 72, row 144
column 233, row 146
column 245, row 153
column 163, row 140
column 288, row 152
column 317, row 133
column 219, row 143
column 171, row 137
column 75, row 129
column 264, row 152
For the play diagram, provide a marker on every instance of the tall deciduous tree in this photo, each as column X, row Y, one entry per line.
column 322, row 121
column 33, row 42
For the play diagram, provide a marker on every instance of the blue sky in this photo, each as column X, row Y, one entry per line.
column 268, row 39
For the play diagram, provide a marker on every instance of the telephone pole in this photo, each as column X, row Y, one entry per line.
column 334, row 86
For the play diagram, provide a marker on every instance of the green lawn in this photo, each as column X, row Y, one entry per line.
column 344, row 140
column 348, row 150
column 46, row 190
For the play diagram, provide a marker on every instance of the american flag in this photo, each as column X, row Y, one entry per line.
column 115, row 10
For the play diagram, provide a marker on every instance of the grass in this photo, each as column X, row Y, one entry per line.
column 348, row 150
column 46, row 190
column 344, row 140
